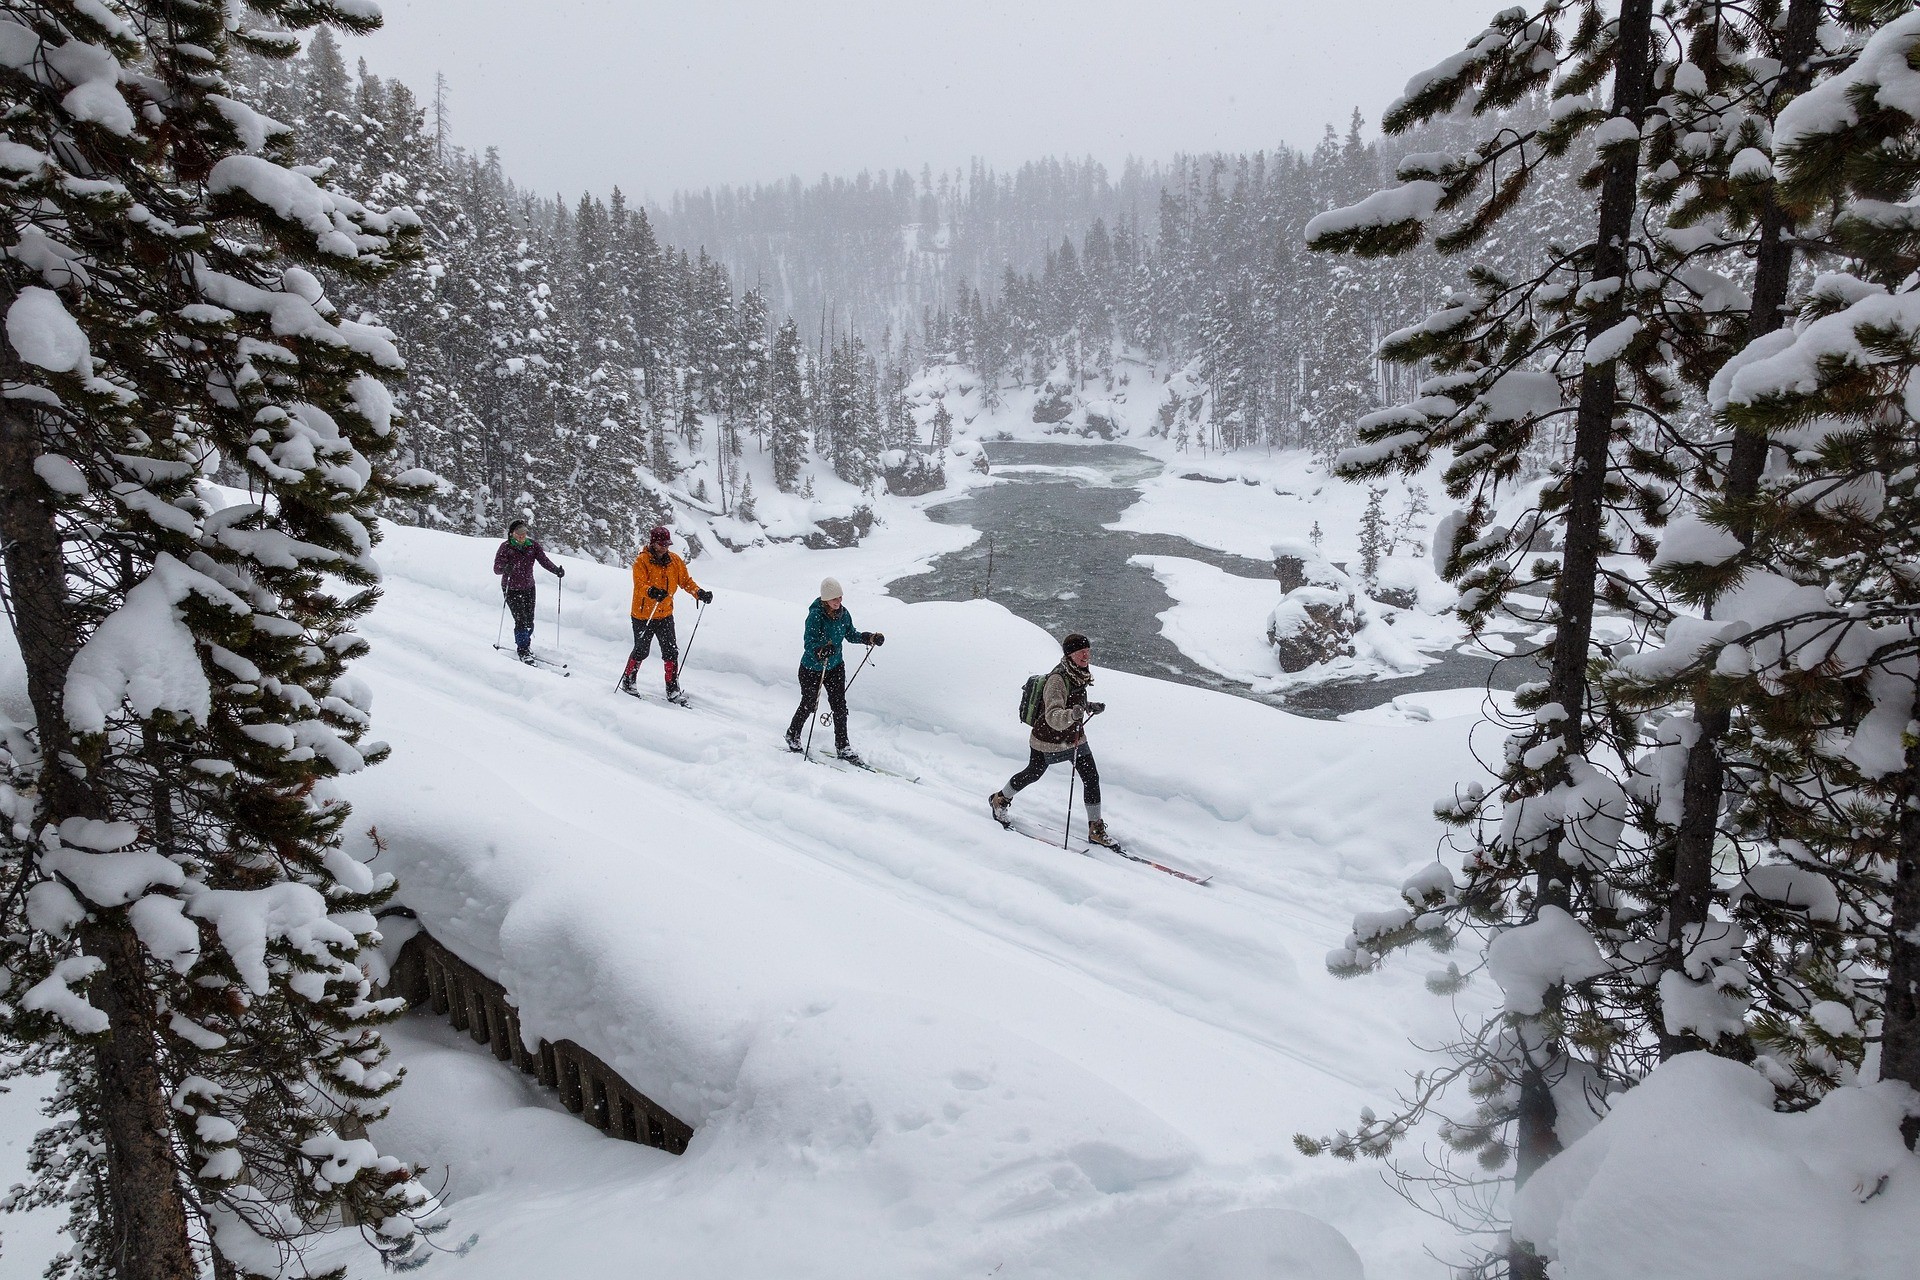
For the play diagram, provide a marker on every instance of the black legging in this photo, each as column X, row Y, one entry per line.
column 810, row 681
column 520, row 605
column 643, row 636
column 1037, row 764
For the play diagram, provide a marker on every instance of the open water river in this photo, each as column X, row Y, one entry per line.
column 1056, row 565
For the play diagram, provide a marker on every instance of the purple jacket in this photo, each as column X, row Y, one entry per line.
column 517, row 564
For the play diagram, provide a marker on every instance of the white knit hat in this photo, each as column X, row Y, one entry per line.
column 830, row 589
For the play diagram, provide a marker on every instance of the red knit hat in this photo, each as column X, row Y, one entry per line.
column 660, row 534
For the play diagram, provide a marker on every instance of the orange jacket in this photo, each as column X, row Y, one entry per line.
column 664, row 576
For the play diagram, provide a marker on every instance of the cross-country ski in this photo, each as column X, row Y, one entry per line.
column 1050, row 833
column 536, row 660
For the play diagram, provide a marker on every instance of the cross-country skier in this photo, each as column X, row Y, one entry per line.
column 828, row 624
column 514, row 563
column 1059, row 736
column 657, row 573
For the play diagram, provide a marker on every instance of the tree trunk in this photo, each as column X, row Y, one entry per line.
column 1900, row 1021
column 1692, row 871
column 1537, row 1137
column 148, row 1218
column 36, row 589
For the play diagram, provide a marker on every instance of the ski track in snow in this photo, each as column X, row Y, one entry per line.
column 803, row 961
column 730, row 726
column 912, row 1044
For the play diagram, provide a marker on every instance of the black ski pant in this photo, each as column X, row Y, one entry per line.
column 1038, row 763
column 835, row 679
column 520, row 605
column 644, row 632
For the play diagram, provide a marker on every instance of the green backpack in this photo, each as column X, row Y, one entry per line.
column 1033, row 698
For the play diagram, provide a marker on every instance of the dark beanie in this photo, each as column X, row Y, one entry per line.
column 1074, row 643
column 517, row 524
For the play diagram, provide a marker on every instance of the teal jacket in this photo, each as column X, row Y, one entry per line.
column 824, row 631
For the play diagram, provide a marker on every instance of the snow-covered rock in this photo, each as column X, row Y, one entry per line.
column 909, row 473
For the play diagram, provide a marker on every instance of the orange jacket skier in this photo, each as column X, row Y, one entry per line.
column 657, row 573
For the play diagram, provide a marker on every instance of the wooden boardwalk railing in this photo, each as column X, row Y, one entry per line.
column 430, row 977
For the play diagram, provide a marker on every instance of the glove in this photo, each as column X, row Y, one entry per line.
column 561, row 572
column 655, row 593
column 824, row 652
column 704, row 597
column 1095, row 708
column 875, row 638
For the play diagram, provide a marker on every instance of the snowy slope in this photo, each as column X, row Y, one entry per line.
column 912, row 1044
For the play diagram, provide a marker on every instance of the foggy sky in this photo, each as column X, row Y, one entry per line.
column 655, row 97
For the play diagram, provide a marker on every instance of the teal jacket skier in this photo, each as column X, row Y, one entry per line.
column 826, row 630
column 829, row 625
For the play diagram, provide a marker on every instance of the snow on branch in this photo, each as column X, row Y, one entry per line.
column 1395, row 217
column 1554, row 950
column 143, row 653
column 1882, row 76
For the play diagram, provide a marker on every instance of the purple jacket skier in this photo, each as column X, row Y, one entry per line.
column 514, row 563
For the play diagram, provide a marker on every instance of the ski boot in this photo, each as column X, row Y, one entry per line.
column 1097, row 834
column 852, row 757
column 525, row 655
column 674, row 695
column 793, row 743
column 626, row 685
column 1000, row 804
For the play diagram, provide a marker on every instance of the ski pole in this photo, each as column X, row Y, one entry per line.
column 500, row 632
column 862, row 667
column 818, row 691
column 1072, row 772
column 686, row 655
column 807, row 752
column 559, row 603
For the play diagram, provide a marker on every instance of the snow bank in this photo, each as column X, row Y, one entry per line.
column 1694, row 1174
column 1218, row 619
column 1257, row 1244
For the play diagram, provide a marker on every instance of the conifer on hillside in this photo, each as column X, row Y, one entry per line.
column 787, row 409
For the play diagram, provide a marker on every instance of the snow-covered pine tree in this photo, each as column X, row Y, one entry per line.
column 844, row 394
column 787, row 407
column 326, row 115
column 1374, row 539
column 753, row 366
column 185, row 936
column 869, row 423
column 1817, row 649
column 1409, row 527
column 1511, row 355
column 1709, row 171
column 414, row 303
column 603, row 499
column 942, row 431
